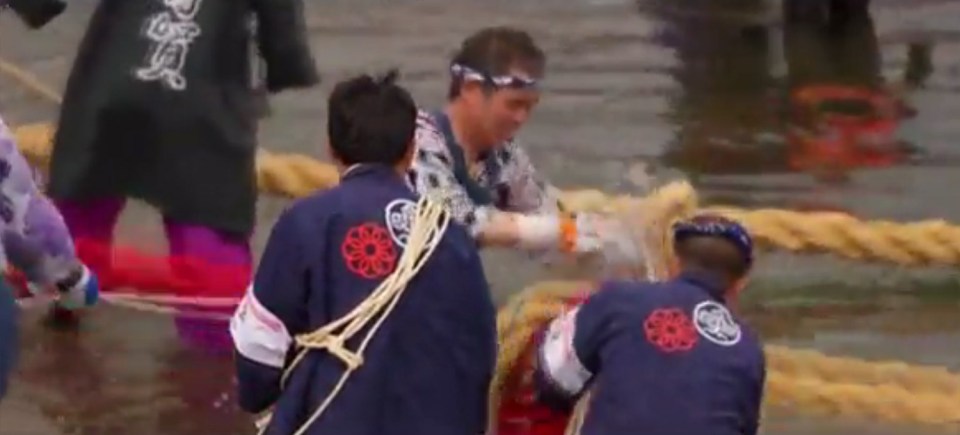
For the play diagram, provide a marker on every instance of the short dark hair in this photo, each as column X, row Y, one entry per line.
column 371, row 120
column 494, row 51
column 713, row 254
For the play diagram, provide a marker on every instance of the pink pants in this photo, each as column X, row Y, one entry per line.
column 96, row 219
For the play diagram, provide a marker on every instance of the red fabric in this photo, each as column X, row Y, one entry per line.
column 18, row 281
column 844, row 141
column 126, row 268
column 519, row 412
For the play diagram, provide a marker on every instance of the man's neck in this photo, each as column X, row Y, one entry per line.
column 719, row 286
column 466, row 133
column 400, row 168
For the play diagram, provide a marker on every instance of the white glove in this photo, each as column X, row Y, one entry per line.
column 587, row 233
column 609, row 238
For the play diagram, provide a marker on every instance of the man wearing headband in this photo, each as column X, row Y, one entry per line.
column 34, row 239
column 467, row 155
column 663, row 358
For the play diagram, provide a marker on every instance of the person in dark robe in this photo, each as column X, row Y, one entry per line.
column 160, row 106
column 667, row 357
column 427, row 369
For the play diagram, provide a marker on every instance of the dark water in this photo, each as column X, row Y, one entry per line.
column 661, row 90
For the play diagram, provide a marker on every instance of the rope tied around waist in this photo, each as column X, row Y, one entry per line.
column 430, row 222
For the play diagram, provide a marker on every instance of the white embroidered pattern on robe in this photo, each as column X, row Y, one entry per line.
column 171, row 33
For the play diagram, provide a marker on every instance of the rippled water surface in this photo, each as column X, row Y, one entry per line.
column 637, row 93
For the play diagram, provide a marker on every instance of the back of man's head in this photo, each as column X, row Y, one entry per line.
column 371, row 120
column 715, row 245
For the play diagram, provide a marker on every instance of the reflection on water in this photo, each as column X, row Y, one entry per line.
column 756, row 111
column 723, row 114
column 122, row 381
column 828, row 113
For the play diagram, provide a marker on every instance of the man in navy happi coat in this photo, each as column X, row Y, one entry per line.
column 663, row 358
column 428, row 368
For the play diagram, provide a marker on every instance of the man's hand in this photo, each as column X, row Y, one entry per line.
column 584, row 234
column 610, row 238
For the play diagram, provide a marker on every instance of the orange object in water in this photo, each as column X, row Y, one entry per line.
column 519, row 412
column 836, row 139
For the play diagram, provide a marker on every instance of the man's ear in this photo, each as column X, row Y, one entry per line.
column 673, row 267
column 408, row 156
column 336, row 159
column 472, row 90
column 740, row 284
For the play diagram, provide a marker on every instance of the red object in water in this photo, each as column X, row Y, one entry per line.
column 840, row 141
column 519, row 412
column 119, row 267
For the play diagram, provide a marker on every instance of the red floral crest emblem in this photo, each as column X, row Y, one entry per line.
column 368, row 251
column 670, row 330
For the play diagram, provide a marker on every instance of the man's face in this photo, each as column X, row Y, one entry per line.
column 500, row 112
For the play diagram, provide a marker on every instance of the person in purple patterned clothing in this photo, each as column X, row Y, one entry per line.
column 35, row 240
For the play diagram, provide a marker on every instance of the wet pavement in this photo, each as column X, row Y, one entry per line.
column 637, row 93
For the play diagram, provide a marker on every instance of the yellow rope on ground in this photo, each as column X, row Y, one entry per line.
column 880, row 402
column 933, row 242
column 429, row 225
column 812, row 364
column 29, row 81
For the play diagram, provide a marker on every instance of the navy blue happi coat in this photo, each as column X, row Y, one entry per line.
column 658, row 358
column 8, row 335
column 427, row 370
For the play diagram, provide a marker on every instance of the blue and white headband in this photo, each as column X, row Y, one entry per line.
column 500, row 81
column 716, row 226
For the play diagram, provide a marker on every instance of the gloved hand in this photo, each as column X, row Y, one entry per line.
column 609, row 237
column 585, row 233
column 80, row 289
